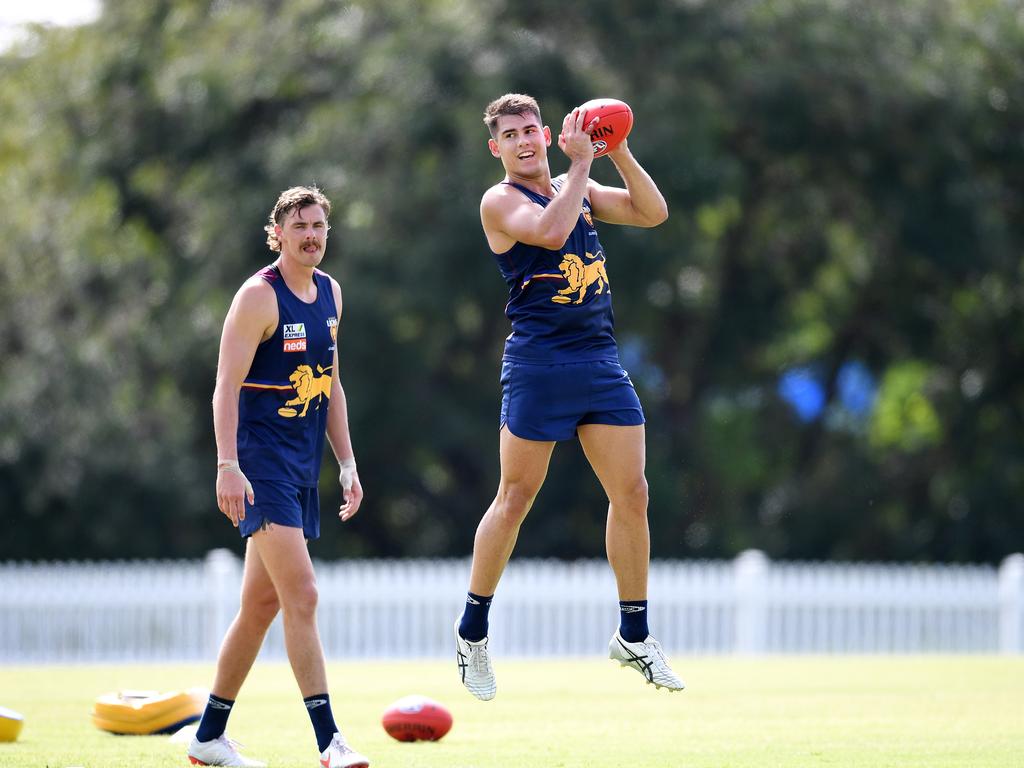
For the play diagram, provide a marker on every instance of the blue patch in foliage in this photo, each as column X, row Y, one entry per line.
column 856, row 388
column 803, row 388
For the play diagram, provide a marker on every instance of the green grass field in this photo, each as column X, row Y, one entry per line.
column 932, row 712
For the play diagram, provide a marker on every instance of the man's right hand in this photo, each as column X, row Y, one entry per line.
column 232, row 489
column 574, row 140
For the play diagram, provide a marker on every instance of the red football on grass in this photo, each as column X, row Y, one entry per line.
column 417, row 718
column 614, row 125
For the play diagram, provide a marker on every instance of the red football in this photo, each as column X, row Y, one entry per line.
column 417, row 718
column 614, row 125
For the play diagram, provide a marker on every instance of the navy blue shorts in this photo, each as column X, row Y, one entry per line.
column 548, row 401
column 282, row 503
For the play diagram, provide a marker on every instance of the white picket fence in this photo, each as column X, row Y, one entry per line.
column 157, row 611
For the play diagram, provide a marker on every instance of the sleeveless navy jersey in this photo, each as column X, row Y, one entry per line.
column 560, row 301
column 282, row 408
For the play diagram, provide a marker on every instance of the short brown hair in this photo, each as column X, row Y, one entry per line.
column 509, row 104
column 288, row 201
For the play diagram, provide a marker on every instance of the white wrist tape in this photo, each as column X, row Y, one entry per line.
column 347, row 474
column 231, row 465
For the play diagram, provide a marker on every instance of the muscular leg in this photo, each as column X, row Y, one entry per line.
column 524, row 465
column 245, row 636
column 617, row 455
column 286, row 558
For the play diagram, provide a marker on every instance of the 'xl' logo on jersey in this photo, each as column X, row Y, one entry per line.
column 294, row 337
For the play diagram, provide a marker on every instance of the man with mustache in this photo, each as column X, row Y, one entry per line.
column 277, row 396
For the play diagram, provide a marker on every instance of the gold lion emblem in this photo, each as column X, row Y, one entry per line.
column 308, row 387
column 581, row 275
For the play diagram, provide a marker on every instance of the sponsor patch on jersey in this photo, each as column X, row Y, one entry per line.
column 294, row 337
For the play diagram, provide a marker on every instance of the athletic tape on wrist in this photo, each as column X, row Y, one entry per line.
column 347, row 473
column 231, row 465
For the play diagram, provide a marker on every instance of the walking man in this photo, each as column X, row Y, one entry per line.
column 277, row 396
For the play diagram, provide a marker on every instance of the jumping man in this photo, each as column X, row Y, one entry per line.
column 560, row 373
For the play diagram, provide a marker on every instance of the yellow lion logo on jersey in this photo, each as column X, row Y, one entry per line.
column 581, row 276
column 308, row 387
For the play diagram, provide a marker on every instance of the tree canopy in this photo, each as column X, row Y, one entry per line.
column 824, row 333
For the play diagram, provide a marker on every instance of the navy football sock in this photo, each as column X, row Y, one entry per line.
column 633, row 620
column 320, row 714
column 215, row 718
column 473, row 626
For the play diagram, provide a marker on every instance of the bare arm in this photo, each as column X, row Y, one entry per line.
column 251, row 318
column 508, row 217
column 640, row 204
column 338, row 432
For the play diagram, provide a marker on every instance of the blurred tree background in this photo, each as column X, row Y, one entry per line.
column 827, row 334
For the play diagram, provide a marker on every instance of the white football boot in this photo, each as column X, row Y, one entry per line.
column 340, row 755
column 647, row 658
column 475, row 666
column 219, row 751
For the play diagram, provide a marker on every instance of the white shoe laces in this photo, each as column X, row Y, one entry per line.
column 230, row 744
column 479, row 660
column 342, row 746
column 661, row 664
column 656, row 652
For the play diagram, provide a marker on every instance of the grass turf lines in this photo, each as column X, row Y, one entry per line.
column 854, row 712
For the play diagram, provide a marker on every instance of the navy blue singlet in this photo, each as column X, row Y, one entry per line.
column 282, row 408
column 560, row 301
